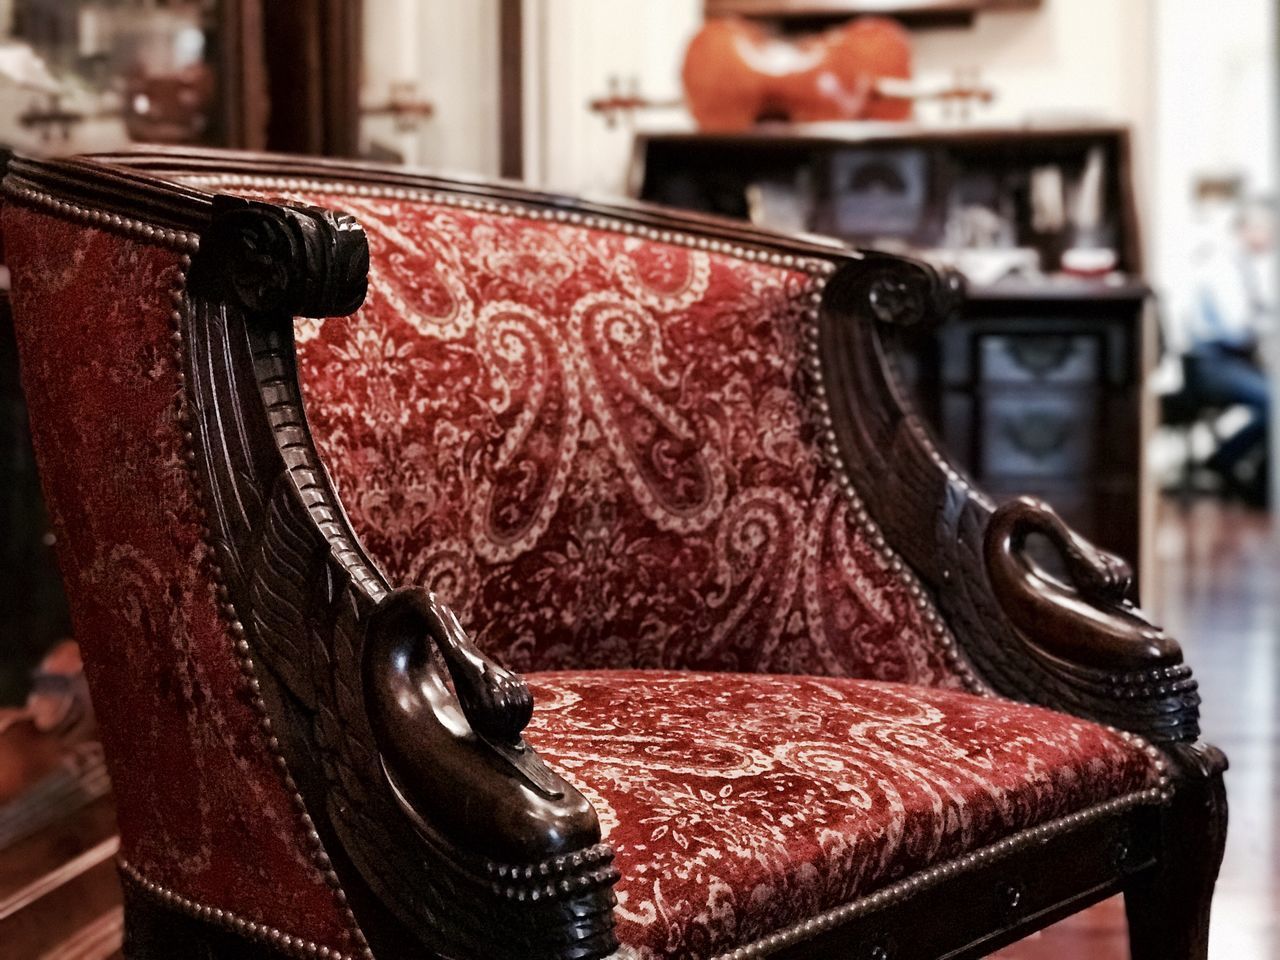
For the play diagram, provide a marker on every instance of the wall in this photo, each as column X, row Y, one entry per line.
column 1070, row 58
column 1067, row 59
column 573, row 47
column 449, row 49
column 1214, row 112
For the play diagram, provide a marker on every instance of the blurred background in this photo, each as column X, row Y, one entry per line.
column 1102, row 172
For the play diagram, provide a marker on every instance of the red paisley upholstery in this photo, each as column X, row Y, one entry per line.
column 202, row 810
column 604, row 452
column 601, row 450
column 740, row 804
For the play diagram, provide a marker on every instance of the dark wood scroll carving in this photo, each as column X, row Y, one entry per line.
column 902, row 294
column 1076, row 647
column 440, row 823
column 303, row 261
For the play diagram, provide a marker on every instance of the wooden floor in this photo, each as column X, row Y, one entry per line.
column 1217, row 589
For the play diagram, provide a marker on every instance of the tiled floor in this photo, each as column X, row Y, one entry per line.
column 1216, row 588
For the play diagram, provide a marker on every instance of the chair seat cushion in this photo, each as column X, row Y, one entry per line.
column 742, row 804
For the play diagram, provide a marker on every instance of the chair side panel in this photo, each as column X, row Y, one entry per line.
column 202, row 810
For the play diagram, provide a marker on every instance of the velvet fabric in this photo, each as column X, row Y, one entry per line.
column 740, row 804
column 601, row 450
column 201, row 808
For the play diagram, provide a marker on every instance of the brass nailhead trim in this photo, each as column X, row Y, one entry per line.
column 17, row 188
column 920, row 597
column 286, row 943
column 563, row 875
column 813, row 265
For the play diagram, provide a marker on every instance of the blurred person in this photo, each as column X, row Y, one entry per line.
column 1230, row 313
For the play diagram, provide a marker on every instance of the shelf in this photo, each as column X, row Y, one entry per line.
column 859, row 132
column 813, row 164
column 912, row 12
column 1059, row 288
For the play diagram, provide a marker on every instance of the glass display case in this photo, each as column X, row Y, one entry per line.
column 103, row 73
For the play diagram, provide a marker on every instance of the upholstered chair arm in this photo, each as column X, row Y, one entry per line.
column 486, row 788
column 1080, row 646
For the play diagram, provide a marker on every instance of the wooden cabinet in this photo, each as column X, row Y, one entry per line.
column 1043, row 397
column 1036, row 387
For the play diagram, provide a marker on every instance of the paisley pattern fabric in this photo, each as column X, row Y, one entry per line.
column 600, row 450
column 740, row 804
column 201, row 808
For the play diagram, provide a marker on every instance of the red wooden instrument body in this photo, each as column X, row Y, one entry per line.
column 737, row 73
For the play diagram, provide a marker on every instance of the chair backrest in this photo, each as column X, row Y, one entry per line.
column 601, row 442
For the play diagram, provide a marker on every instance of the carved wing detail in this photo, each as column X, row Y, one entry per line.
column 441, row 824
column 896, row 466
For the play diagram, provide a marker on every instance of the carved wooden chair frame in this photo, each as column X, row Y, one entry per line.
column 377, row 787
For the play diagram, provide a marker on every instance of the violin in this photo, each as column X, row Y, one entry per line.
column 736, row 74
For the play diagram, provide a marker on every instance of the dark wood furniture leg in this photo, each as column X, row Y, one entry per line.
column 1168, row 907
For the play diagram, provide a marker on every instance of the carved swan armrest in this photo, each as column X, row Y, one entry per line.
column 1077, row 646
column 1091, row 620
column 456, row 757
column 1086, row 634
column 1102, row 644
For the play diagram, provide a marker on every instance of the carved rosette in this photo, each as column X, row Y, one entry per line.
column 904, row 293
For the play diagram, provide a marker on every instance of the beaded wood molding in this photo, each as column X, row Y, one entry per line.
column 228, row 920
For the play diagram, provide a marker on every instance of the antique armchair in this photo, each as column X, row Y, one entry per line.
column 788, row 685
